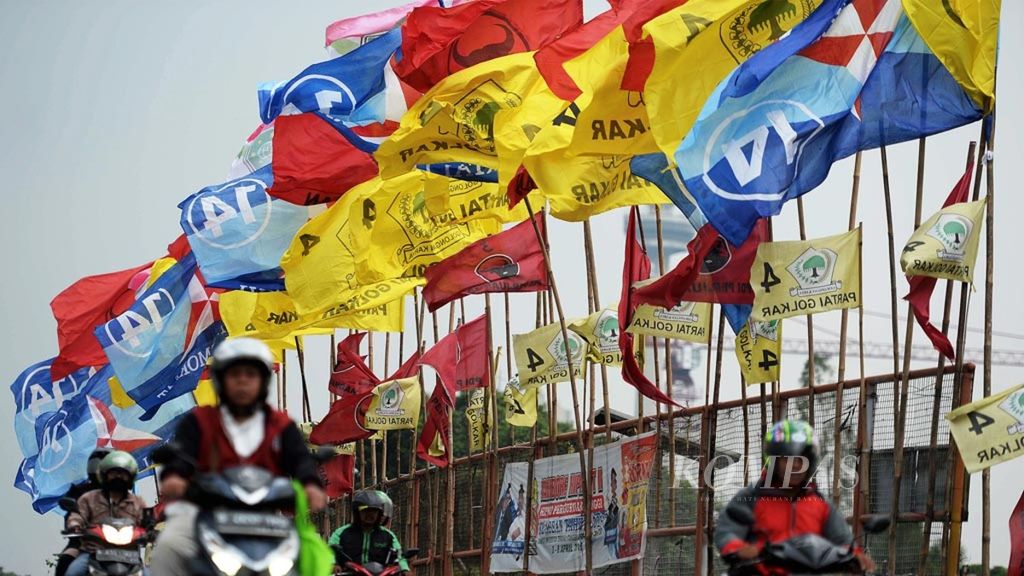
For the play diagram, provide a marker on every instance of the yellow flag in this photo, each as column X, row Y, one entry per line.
column 320, row 266
column 697, row 45
column 520, row 404
column 802, row 277
column 394, row 235
column 457, row 119
column 963, row 35
column 946, row 245
column 477, row 418
column 601, row 331
column 688, row 321
column 204, row 394
column 760, row 353
column 541, row 356
column 990, row 430
column 268, row 316
column 395, row 405
column 467, row 200
column 579, row 187
column 158, row 268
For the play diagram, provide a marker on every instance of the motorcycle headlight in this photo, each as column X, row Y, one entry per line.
column 118, row 536
column 280, row 566
column 226, row 561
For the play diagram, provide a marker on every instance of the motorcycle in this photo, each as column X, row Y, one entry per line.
column 803, row 554
column 350, row 567
column 119, row 542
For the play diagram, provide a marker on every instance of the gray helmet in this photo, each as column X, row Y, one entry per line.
column 363, row 499
column 118, row 460
column 241, row 351
column 93, row 464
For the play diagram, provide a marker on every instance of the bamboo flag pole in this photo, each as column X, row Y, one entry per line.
column 419, row 306
column 811, row 367
column 841, row 378
column 986, row 477
column 908, row 342
column 861, row 495
column 585, row 480
column 508, row 360
column 588, row 241
column 531, row 461
column 713, row 434
column 657, row 371
column 282, row 403
column 702, row 509
column 593, row 305
column 669, row 388
column 746, row 431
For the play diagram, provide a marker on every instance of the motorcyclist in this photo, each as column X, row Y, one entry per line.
column 243, row 430
column 114, row 499
column 784, row 502
column 367, row 538
column 92, row 482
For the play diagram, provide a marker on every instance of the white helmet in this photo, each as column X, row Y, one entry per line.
column 238, row 351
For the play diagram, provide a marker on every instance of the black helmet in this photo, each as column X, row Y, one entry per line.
column 93, row 466
column 364, row 499
column 241, row 351
column 792, row 438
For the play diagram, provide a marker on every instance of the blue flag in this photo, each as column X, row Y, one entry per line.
column 854, row 76
column 92, row 418
column 36, row 395
column 238, row 232
column 343, row 88
column 158, row 347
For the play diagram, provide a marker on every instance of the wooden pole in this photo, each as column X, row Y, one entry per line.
column 860, row 496
column 592, row 281
column 530, row 466
column 490, row 424
column 282, row 403
column 585, row 480
column 713, row 437
column 986, row 477
column 837, row 447
column 811, row 365
column 508, row 360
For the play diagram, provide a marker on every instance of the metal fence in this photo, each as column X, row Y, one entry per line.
column 706, row 454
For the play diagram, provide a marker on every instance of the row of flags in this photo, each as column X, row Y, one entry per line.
column 403, row 159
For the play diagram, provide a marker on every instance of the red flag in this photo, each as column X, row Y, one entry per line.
column 351, row 375
column 520, row 186
column 437, row 42
column 921, row 287
column 723, row 275
column 179, row 248
column 407, row 369
column 550, row 58
column 338, row 475
column 344, row 422
column 438, row 425
column 80, row 308
column 461, row 358
column 1015, row 567
column 314, row 161
column 635, row 267
column 512, row 261
column 641, row 49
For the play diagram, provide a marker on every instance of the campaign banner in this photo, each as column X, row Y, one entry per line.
column 619, row 483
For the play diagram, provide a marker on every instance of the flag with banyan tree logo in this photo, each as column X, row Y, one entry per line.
column 395, row 405
column 759, row 351
column 800, row 277
column 541, row 355
column 991, row 430
column 601, row 331
column 946, row 245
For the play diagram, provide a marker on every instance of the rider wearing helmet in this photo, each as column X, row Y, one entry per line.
column 367, row 539
column 92, row 482
column 242, row 430
column 784, row 502
column 114, row 499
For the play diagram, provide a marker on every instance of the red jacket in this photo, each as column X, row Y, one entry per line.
column 217, row 452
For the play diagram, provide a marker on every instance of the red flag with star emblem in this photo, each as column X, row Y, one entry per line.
column 512, row 261
column 437, row 42
column 461, row 358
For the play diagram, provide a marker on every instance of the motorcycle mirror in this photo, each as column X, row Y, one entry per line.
column 68, row 504
column 410, row 553
column 875, row 523
column 740, row 513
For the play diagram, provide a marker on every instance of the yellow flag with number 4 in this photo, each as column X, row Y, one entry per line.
column 520, row 404
column 991, row 430
column 946, row 245
column 541, row 356
column 800, row 277
column 759, row 351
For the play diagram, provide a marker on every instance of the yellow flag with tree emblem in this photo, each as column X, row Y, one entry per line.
column 946, row 245
column 601, row 331
column 541, row 356
column 991, row 430
column 697, row 45
column 688, row 321
column 477, row 410
column 395, row 405
column 320, row 267
column 759, row 351
column 393, row 234
column 467, row 200
column 800, row 277
column 520, row 404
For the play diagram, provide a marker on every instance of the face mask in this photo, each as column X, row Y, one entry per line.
column 118, row 485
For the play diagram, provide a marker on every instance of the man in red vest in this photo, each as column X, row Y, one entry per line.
column 243, row 430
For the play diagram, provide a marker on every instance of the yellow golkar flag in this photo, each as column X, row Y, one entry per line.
column 759, row 351
column 946, row 245
column 802, row 277
column 320, row 266
column 697, row 45
column 395, row 405
column 520, row 404
column 601, row 331
column 541, row 356
column 478, row 419
column 991, row 430
column 465, row 200
column 688, row 321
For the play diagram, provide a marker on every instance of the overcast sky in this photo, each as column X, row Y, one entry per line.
column 118, row 110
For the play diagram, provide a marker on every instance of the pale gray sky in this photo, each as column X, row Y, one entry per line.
column 118, row 110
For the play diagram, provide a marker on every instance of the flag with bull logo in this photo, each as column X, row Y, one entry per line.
column 773, row 128
column 158, row 347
